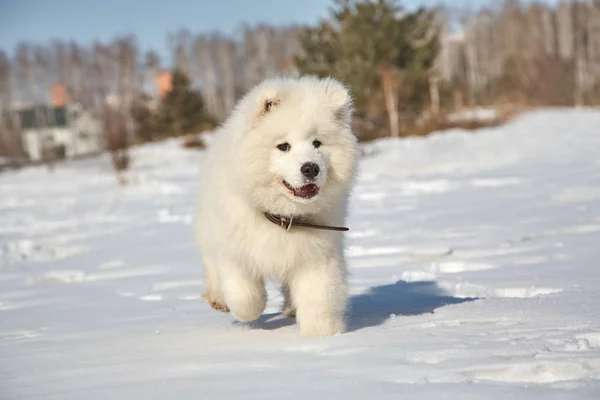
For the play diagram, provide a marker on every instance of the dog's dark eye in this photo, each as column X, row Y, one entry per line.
column 316, row 144
column 284, row 147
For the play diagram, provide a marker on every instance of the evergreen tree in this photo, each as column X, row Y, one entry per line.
column 181, row 111
column 364, row 43
column 145, row 129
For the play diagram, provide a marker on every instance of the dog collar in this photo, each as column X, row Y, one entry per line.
column 288, row 222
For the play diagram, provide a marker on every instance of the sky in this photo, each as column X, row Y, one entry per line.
column 84, row 21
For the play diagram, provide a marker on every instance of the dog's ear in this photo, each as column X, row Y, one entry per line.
column 266, row 101
column 339, row 97
column 268, row 104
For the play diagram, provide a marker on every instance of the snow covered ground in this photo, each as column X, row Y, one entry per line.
column 481, row 114
column 475, row 262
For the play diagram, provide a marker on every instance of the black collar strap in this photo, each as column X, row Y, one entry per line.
column 288, row 222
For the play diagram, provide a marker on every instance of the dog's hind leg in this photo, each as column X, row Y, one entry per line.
column 213, row 294
column 288, row 306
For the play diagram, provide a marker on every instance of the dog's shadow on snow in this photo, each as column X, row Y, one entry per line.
column 402, row 298
column 380, row 303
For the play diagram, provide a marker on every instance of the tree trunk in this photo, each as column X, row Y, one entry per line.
column 389, row 82
column 578, row 92
column 434, row 93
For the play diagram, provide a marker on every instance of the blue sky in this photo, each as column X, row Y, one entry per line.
column 150, row 20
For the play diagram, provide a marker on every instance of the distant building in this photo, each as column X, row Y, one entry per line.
column 59, row 131
column 164, row 81
column 59, row 94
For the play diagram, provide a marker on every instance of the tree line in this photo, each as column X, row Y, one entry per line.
column 538, row 54
column 401, row 66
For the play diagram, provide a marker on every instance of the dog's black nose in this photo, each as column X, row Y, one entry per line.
column 310, row 170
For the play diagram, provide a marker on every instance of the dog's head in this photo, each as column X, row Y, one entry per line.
column 296, row 149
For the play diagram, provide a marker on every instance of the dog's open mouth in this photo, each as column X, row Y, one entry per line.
column 306, row 192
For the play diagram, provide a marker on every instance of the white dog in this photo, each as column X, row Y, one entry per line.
column 284, row 159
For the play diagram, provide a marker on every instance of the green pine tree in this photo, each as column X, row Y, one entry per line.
column 181, row 111
column 362, row 38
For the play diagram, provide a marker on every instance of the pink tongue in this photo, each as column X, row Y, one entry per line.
column 306, row 190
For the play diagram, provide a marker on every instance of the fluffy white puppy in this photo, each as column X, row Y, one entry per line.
column 284, row 158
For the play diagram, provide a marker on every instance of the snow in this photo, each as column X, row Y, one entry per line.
column 474, row 114
column 474, row 260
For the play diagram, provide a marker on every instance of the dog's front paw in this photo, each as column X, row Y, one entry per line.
column 322, row 325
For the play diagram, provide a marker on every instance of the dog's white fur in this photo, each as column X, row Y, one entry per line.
column 242, row 178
